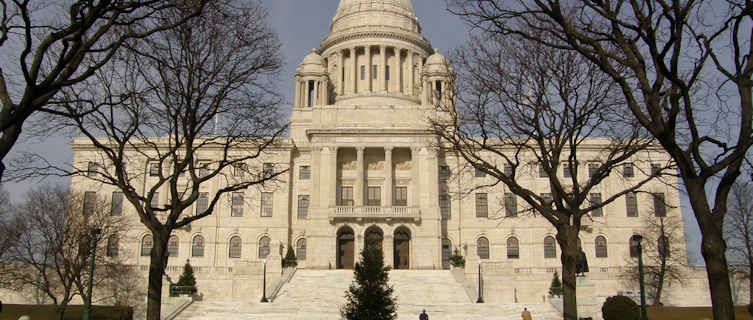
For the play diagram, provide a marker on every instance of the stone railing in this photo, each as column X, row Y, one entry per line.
column 368, row 212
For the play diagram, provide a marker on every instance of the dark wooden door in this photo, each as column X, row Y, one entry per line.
column 345, row 252
column 402, row 251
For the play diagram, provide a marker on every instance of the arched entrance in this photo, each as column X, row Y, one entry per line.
column 402, row 248
column 345, row 243
column 373, row 237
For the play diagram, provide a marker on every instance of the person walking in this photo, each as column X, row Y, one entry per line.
column 423, row 316
column 526, row 315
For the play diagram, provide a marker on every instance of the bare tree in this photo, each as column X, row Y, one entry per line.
column 738, row 229
column 189, row 107
column 659, row 52
column 53, row 251
column 524, row 109
column 663, row 258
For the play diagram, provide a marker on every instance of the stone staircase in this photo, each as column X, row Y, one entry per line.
column 318, row 295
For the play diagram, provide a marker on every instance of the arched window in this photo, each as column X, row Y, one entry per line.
column 550, row 248
column 600, row 244
column 112, row 246
column 146, row 245
column 300, row 249
column 633, row 247
column 197, row 246
column 662, row 244
column 172, row 247
column 264, row 247
column 235, row 247
column 482, row 248
column 513, row 249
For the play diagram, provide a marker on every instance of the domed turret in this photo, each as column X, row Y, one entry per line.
column 437, row 64
column 437, row 77
column 312, row 63
column 312, row 82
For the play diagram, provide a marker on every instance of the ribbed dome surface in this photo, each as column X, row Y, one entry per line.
column 384, row 13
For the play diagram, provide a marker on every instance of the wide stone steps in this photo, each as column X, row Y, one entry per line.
column 318, row 295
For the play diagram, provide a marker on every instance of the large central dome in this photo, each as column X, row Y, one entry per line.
column 355, row 14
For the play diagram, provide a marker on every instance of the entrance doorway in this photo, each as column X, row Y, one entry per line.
column 446, row 253
column 402, row 248
column 345, row 248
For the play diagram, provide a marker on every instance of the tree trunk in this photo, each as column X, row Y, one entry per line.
column 660, row 281
column 569, row 244
column 713, row 248
column 750, row 287
column 157, row 263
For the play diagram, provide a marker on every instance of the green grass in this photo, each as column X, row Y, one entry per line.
column 74, row 312
column 692, row 313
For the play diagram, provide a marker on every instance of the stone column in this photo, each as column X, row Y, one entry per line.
column 317, row 174
column 411, row 82
column 385, row 84
column 306, row 93
column 388, row 176
column 415, row 174
column 369, row 75
column 297, row 92
column 341, row 72
column 324, row 87
column 400, row 73
column 355, row 69
column 359, row 192
column 420, row 73
column 332, row 186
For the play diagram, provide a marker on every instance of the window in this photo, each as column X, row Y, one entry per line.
column 662, row 246
column 304, row 173
column 172, row 246
column 374, row 70
column 511, row 205
column 112, row 246
column 197, row 246
column 374, row 196
column 154, row 169
column 655, row 169
column 363, row 72
column 202, row 203
column 592, row 169
column 444, row 172
column 264, row 247
column 550, row 249
column 90, row 202
column 513, row 250
column 600, row 244
column 116, row 204
column 482, row 248
column 91, row 169
column 311, row 86
column 482, row 205
column 303, row 206
column 203, row 169
column 401, row 196
column 300, row 249
column 479, row 173
column 268, row 170
column 508, row 170
column 568, row 170
column 387, row 73
column 546, row 198
column 266, row 204
column 239, row 168
column 627, row 170
column 444, row 206
column 346, row 196
column 633, row 247
column 236, row 204
column 660, row 207
column 155, row 200
column 234, row 247
column 631, row 204
column 542, row 171
column 146, row 245
column 595, row 199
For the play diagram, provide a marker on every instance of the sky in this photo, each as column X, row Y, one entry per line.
column 301, row 25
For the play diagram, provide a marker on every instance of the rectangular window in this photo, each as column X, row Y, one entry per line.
column 154, row 169
column 627, row 170
column 374, row 69
column 363, row 72
column 568, row 170
column 346, row 196
column 374, row 198
column 542, row 171
column 596, row 200
column 268, row 170
column 303, row 206
column 444, row 172
column 482, row 205
column 547, row 198
column 239, row 168
column 511, row 205
column 90, row 201
column 631, row 204
column 401, row 196
column 479, row 173
column 304, row 173
column 202, row 203
column 266, row 204
column 155, row 200
column 236, row 204
column 592, row 169
column 387, row 73
column 116, row 205
column 655, row 169
column 91, row 169
column 508, row 170
column 660, row 207
column 444, row 206
column 203, row 169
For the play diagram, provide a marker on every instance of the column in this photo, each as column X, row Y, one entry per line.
column 332, row 187
column 415, row 174
column 385, row 84
column 341, row 72
column 325, row 91
column 306, row 94
column 317, row 174
column 388, row 248
column 315, row 93
column 411, row 82
column 359, row 192
column 420, row 72
column 369, row 76
column 400, row 72
column 355, row 69
column 388, row 176
column 297, row 92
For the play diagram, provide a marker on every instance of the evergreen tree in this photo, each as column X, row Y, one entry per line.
column 369, row 296
column 187, row 278
column 555, row 289
column 290, row 259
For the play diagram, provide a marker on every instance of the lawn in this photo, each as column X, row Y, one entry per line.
column 38, row 312
column 691, row 313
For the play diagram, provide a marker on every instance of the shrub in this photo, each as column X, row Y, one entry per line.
column 186, row 283
column 370, row 295
column 620, row 308
column 290, row 260
column 456, row 260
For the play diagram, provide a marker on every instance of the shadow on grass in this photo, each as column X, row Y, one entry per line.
column 692, row 313
column 73, row 312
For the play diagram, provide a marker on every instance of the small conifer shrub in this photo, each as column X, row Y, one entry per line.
column 187, row 281
column 555, row 289
column 290, row 260
column 620, row 308
column 369, row 296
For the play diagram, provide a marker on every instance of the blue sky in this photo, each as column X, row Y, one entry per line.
column 301, row 25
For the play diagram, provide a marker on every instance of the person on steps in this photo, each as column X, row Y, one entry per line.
column 526, row 315
column 423, row 316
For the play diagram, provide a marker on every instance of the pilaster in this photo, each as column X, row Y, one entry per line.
column 385, row 85
column 359, row 192
column 415, row 176
column 388, row 177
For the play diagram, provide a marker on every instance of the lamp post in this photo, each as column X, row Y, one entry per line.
column 93, row 247
column 264, row 285
column 637, row 238
column 480, row 290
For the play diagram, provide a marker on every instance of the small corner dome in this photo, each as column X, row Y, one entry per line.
column 437, row 63
column 312, row 63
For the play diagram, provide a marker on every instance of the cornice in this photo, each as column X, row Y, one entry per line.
column 335, row 39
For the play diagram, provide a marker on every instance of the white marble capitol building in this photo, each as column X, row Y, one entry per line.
column 364, row 166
